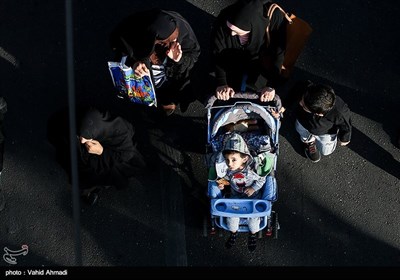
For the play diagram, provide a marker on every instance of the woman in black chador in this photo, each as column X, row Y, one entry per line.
column 107, row 154
column 242, row 53
column 162, row 44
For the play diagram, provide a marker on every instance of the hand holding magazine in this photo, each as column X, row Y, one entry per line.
column 130, row 86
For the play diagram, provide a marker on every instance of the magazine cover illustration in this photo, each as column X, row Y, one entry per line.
column 128, row 85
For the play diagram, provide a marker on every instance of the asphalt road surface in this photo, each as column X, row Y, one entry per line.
column 343, row 211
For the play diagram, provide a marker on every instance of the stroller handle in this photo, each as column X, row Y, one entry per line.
column 245, row 96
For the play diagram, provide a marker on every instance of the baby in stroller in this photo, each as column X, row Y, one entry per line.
column 236, row 169
column 242, row 184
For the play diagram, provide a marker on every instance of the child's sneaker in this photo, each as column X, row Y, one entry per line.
column 252, row 242
column 231, row 240
column 312, row 152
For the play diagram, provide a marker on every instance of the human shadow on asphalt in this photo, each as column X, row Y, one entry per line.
column 374, row 153
column 116, row 232
column 339, row 229
column 183, row 141
column 318, row 236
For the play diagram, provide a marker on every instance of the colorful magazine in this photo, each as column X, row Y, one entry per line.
column 128, row 85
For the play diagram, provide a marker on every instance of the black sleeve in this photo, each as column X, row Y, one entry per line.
column 180, row 70
column 218, row 49
column 277, row 46
column 102, row 164
column 190, row 51
column 102, row 169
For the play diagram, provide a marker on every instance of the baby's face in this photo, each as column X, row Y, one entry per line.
column 235, row 161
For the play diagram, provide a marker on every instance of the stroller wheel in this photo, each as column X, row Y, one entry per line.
column 213, row 231
column 268, row 231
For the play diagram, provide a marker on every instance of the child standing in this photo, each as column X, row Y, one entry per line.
column 322, row 118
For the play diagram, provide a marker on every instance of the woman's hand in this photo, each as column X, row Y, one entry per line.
column 92, row 146
column 175, row 52
column 267, row 94
column 224, row 92
column 140, row 69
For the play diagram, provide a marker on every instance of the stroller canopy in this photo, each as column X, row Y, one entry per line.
column 243, row 111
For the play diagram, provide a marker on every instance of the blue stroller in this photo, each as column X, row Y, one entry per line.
column 246, row 115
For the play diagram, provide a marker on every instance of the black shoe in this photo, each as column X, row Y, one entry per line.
column 169, row 109
column 252, row 242
column 231, row 240
column 312, row 152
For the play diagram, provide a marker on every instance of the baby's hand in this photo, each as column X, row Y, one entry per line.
column 222, row 183
column 249, row 191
